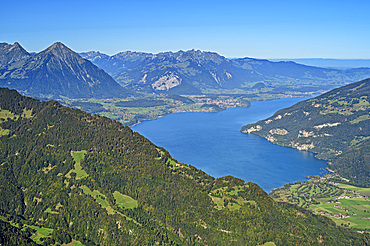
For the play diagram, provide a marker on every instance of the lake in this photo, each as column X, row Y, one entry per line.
column 213, row 143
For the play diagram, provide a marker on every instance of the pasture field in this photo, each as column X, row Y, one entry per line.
column 229, row 198
column 74, row 243
column 363, row 191
column 124, row 201
column 50, row 211
column 103, row 201
column 99, row 198
column 27, row 113
column 269, row 244
column 78, row 156
column 41, row 232
column 6, row 114
column 4, row 132
column 354, row 212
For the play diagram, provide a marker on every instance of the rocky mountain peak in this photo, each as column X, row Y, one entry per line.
column 59, row 45
column 11, row 53
column 18, row 47
column 8, row 47
column 197, row 52
column 59, row 71
column 60, row 50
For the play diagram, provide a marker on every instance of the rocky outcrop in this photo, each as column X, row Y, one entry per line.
column 166, row 82
column 253, row 129
column 302, row 146
column 268, row 121
column 278, row 131
column 270, row 138
column 326, row 125
column 305, row 134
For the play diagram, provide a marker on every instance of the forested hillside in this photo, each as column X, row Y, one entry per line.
column 336, row 125
column 80, row 177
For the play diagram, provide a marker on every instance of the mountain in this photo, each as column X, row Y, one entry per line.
column 195, row 71
column 330, row 63
column 335, row 125
column 69, row 176
column 57, row 72
column 180, row 73
column 294, row 74
column 118, row 62
column 12, row 53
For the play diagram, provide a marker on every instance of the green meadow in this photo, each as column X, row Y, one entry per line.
column 99, row 198
column 228, row 198
column 358, row 210
column 363, row 191
column 41, row 232
column 78, row 156
column 124, row 201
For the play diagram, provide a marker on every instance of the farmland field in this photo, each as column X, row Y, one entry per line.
column 363, row 191
column 346, row 205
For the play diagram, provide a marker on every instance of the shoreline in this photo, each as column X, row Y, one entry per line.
column 222, row 109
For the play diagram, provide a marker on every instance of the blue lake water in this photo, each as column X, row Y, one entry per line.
column 213, row 143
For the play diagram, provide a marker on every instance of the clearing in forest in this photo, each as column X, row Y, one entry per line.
column 78, row 156
column 124, row 201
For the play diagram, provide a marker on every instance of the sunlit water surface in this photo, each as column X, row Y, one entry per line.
column 213, row 143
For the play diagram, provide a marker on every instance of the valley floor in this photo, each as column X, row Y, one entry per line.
column 133, row 110
column 330, row 196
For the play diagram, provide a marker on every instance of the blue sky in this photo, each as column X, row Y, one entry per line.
column 259, row 28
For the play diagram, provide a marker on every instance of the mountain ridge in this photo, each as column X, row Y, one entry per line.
column 196, row 71
column 11, row 53
column 330, row 62
column 62, row 72
column 59, row 71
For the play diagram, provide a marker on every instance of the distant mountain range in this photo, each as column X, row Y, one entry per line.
column 335, row 125
column 330, row 63
column 60, row 72
column 194, row 71
column 55, row 72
